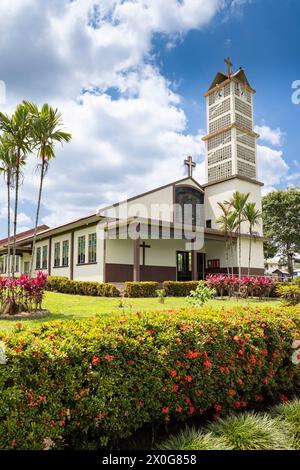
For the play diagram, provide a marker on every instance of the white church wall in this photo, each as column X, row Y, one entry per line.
column 216, row 250
column 61, row 270
column 88, row 271
column 223, row 191
column 257, row 253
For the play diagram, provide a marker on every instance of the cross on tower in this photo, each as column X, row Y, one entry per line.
column 229, row 66
column 190, row 164
column 144, row 246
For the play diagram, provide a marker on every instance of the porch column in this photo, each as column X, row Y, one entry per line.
column 136, row 260
column 136, row 255
column 194, row 266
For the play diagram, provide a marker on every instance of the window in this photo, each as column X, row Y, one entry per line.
column 56, row 254
column 213, row 263
column 38, row 258
column 26, row 267
column 92, row 248
column 208, row 223
column 189, row 205
column 45, row 257
column 65, row 253
column 17, row 264
column 2, row 265
column 81, row 249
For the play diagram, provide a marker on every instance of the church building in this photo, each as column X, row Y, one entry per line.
column 170, row 232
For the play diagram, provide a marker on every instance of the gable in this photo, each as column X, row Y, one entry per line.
column 155, row 204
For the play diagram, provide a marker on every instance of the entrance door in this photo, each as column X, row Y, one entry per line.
column 184, row 266
column 201, row 266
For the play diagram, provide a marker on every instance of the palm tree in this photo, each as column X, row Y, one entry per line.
column 17, row 128
column 7, row 168
column 253, row 216
column 238, row 202
column 227, row 223
column 46, row 130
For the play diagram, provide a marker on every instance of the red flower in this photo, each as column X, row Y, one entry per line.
column 193, row 355
column 175, row 388
column 165, row 410
column 230, row 392
column 173, row 373
column 283, row 397
column 178, row 409
column 207, row 363
column 108, row 357
column 191, row 410
column 51, row 337
column 95, row 360
column 188, row 378
column 217, row 407
column 259, row 398
column 164, row 389
column 239, row 381
column 237, row 404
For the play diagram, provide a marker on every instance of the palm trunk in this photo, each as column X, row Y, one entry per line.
column 240, row 250
column 227, row 243
column 16, row 217
column 8, row 225
column 250, row 249
column 37, row 217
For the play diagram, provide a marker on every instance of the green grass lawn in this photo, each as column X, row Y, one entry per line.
column 67, row 307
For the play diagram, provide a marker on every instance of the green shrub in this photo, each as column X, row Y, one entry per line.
column 192, row 439
column 296, row 281
column 179, row 288
column 251, row 431
column 82, row 384
column 290, row 413
column 141, row 289
column 201, row 295
column 290, row 294
column 66, row 286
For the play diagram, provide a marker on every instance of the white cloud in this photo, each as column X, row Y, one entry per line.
column 271, row 136
column 271, row 166
column 122, row 145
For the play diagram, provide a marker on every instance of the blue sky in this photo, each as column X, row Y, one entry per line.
column 129, row 81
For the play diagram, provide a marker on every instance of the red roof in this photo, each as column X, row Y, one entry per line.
column 26, row 234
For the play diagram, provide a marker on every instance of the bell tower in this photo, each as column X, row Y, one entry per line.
column 231, row 140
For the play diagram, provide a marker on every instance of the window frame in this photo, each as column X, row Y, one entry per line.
column 65, row 256
column 92, row 248
column 57, row 254
column 38, row 257
column 81, row 247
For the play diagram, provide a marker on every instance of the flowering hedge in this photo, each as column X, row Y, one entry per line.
column 22, row 294
column 84, row 384
column 66, row 286
column 255, row 286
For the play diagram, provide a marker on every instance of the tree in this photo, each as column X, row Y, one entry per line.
column 46, row 131
column 238, row 202
column 228, row 223
column 281, row 221
column 17, row 128
column 253, row 216
column 7, row 168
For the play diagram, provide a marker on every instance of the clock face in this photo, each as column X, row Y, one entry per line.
column 242, row 92
column 219, row 94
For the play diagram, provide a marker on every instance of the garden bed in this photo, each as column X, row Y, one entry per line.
column 34, row 314
column 89, row 384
